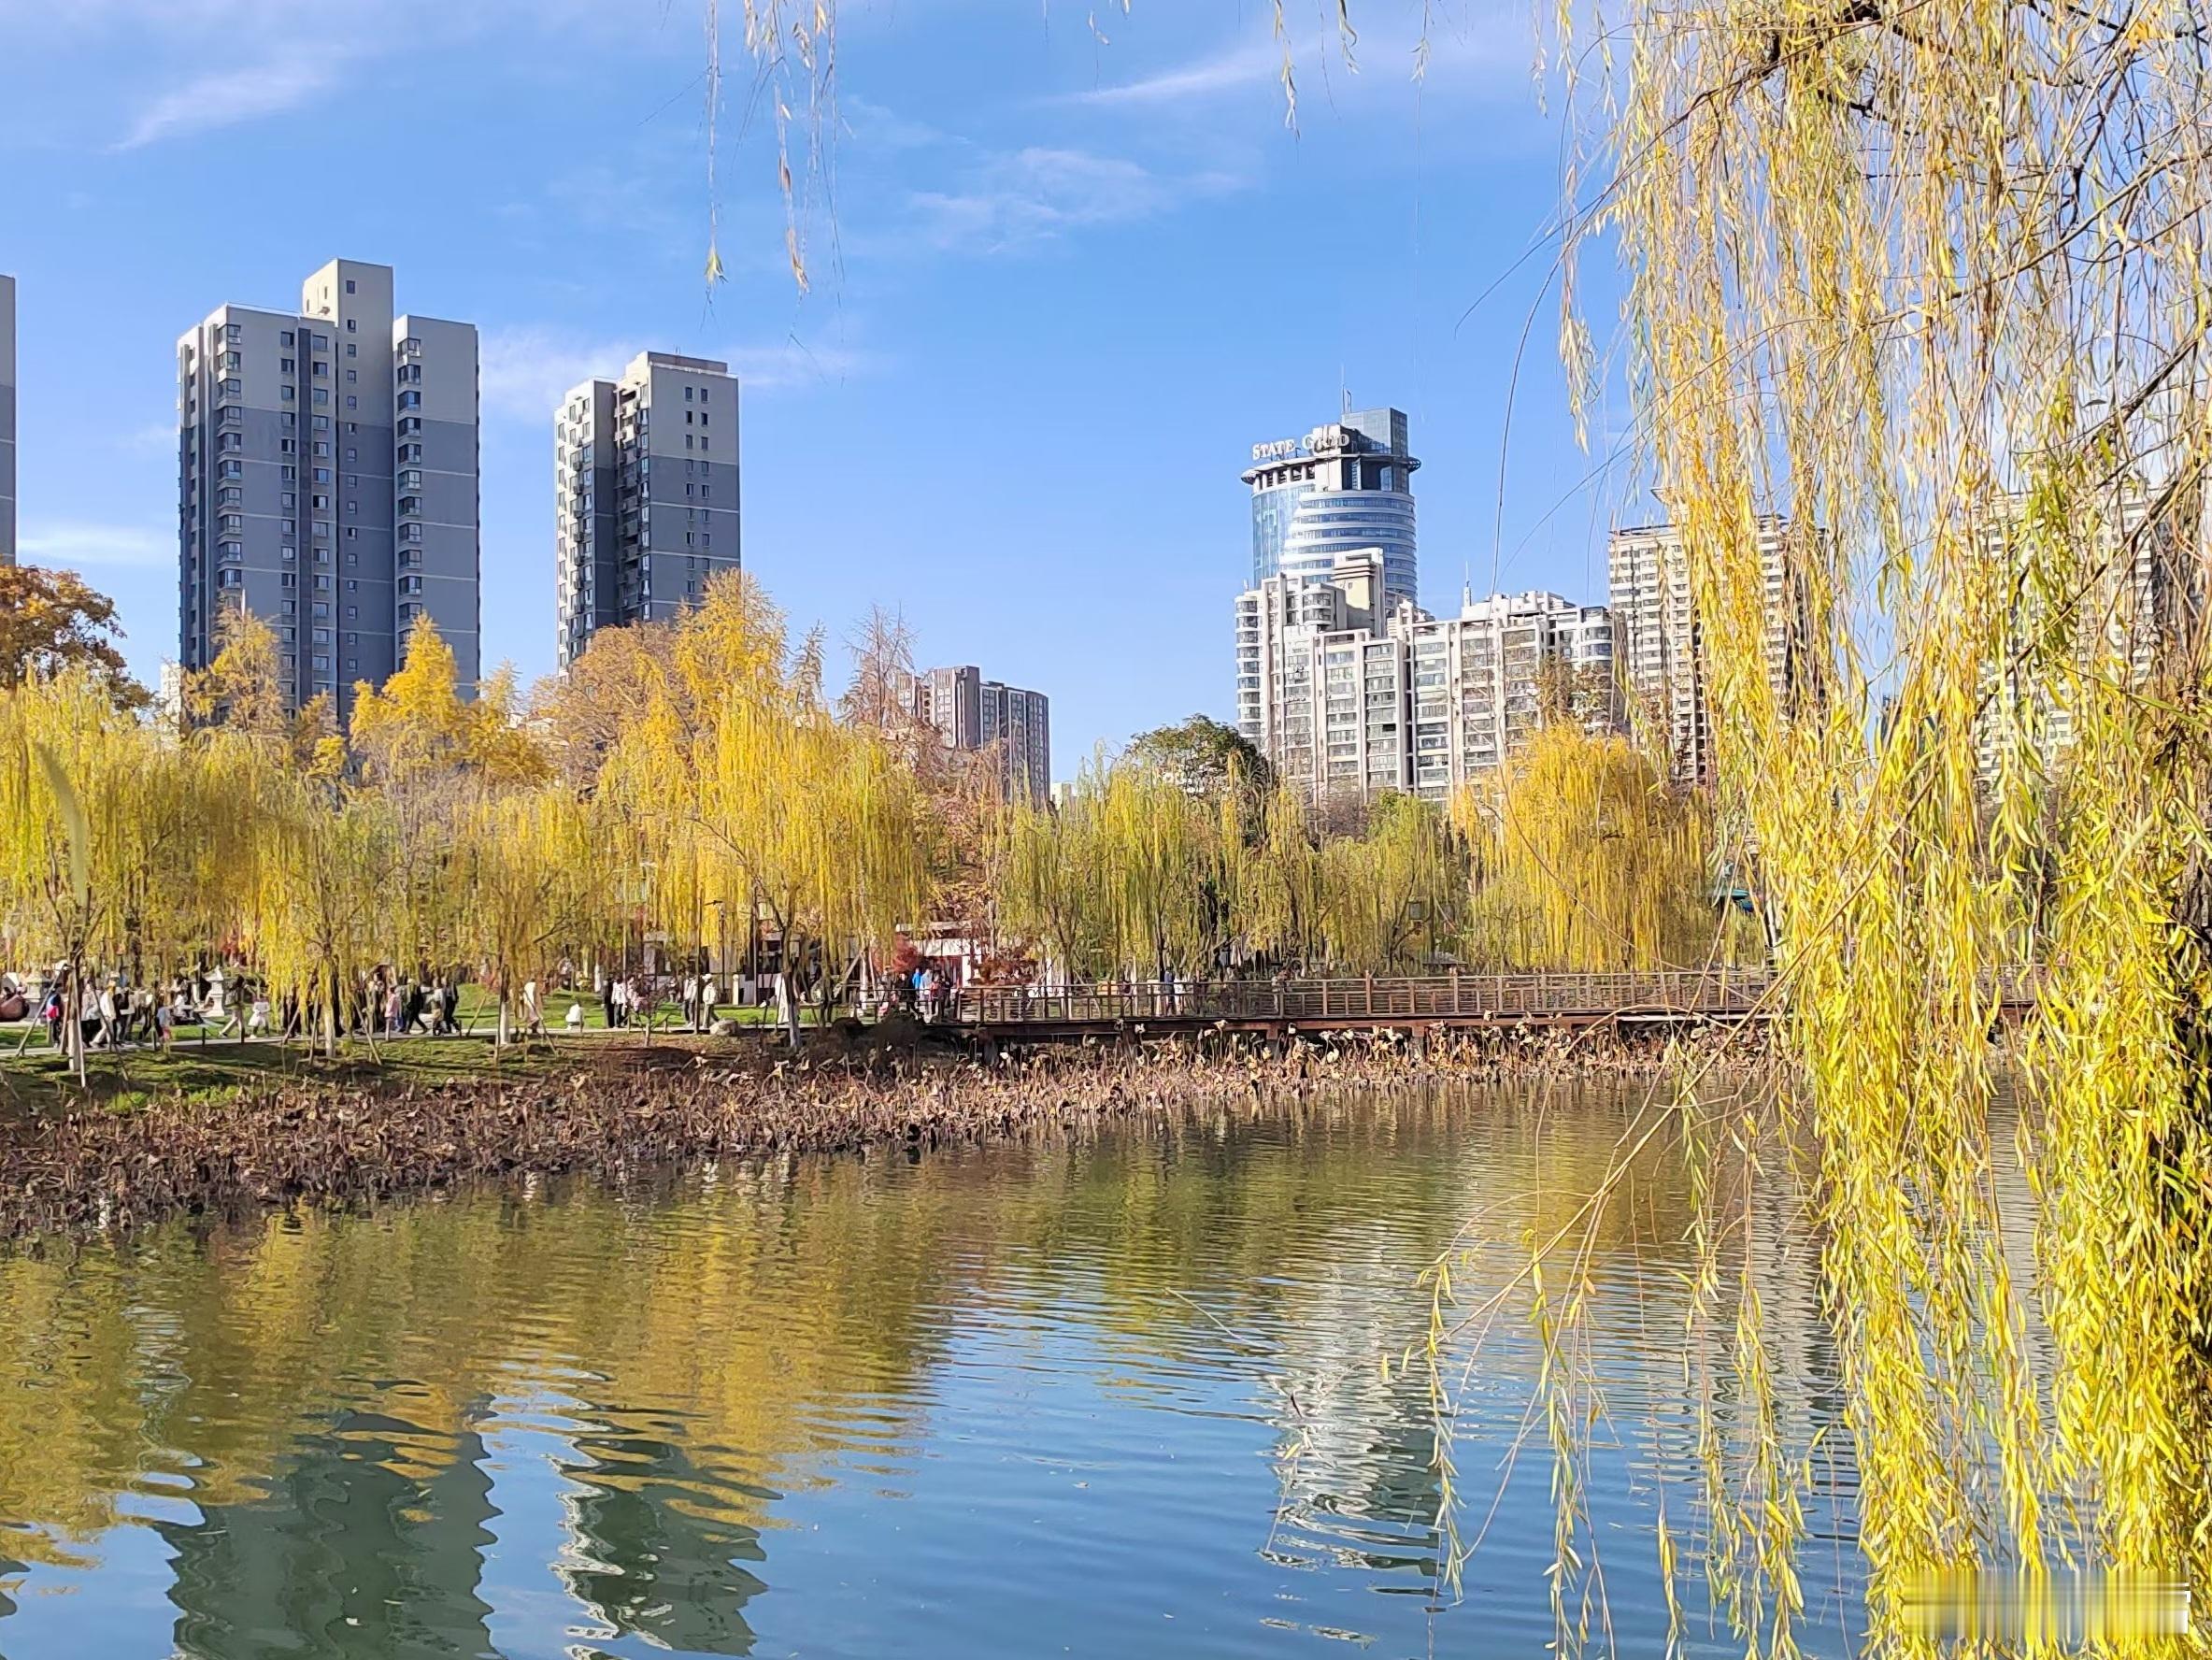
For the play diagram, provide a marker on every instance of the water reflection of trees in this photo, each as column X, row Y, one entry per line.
column 322, row 1389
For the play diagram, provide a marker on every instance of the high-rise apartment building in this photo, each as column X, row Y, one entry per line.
column 2127, row 607
column 1482, row 682
column 1346, row 696
column 7, row 420
column 1342, row 488
column 1662, row 647
column 968, row 712
column 328, row 482
column 646, row 494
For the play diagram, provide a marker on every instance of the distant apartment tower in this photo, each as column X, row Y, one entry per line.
column 1345, row 696
column 1291, row 631
column 1661, row 646
column 2129, row 606
column 968, row 713
column 646, row 494
column 1486, row 680
column 328, row 482
column 7, row 420
column 1342, row 488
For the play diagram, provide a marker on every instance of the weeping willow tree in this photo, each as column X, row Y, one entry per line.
column 1932, row 280
column 92, row 809
column 1586, row 859
column 743, row 789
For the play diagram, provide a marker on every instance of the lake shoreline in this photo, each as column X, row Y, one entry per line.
column 345, row 1142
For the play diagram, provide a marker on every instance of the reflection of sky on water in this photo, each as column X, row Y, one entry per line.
column 1125, row 1396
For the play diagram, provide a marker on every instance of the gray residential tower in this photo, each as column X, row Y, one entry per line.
column 328, row 482
column 645, row 493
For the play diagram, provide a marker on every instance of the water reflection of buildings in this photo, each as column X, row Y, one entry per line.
column 645, row 1554
column 348, row 1552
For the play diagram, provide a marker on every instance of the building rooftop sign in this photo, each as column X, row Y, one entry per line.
column 1322, row 440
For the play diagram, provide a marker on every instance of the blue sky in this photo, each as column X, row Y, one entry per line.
column 1064, row 277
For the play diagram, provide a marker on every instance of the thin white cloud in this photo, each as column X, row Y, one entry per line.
column 74, row 544
column 793, row 364
column 1037, row 195
column 228, row 97
column 524, row 373
column 1240, row 66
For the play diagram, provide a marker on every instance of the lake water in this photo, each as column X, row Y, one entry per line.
column 1117, row 1396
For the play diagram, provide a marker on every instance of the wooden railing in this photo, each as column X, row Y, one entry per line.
column 1437, row 997
column 1445, row 996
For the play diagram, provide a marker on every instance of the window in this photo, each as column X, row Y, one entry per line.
column 288, row 422
column 352, row 613
column 230, row 579
column 322, row 664
column 351, row 375
column 410, row 585
column 703, row 392
column 288, row 473
column 321, row 586
column 284, row 393
column 352, row 639
column 409, row 611
column 291, row 606
column 351, row 347
column 288, row 579
column 288, row 365
column 230, row 331
column 230, row 360
column 348, row 328
column 319, row 636
column 410, row 400
column 702, row 418
column 322, row 342
column 289, row 555
column 322, row 396
column 687, row 398
column 322, row 371
column 321, row 474
column 705, row 443
column 352, row 402
column 349, row 285
column 288, row 499
column 284, row 339
column 323, row 423
column 352, row 453
column 321, row 609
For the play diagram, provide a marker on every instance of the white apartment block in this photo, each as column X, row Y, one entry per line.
column 7, row 420
column 1482, row 682
column 2126, row 610
column 645, row 493
column 1661, row 647
column 1346, row 700
column 970, row 713
column 328, row 482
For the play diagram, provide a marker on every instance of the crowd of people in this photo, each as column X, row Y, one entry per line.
column 221, row 1003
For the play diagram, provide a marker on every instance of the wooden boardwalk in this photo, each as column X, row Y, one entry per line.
column 1458, row 1000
